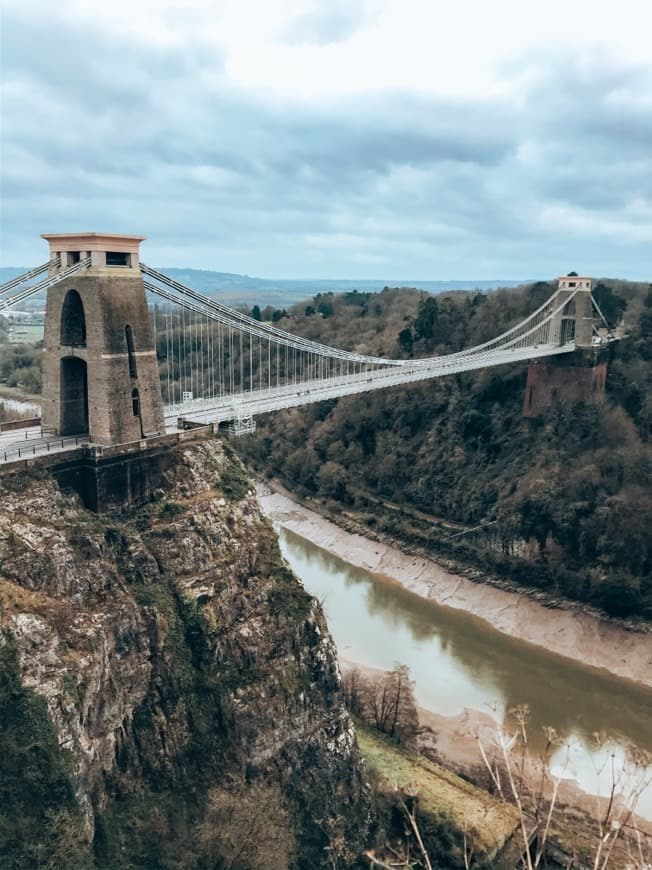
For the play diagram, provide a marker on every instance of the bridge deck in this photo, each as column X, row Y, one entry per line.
column 264, row 401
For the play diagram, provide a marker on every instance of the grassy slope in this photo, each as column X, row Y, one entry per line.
column 440, row 791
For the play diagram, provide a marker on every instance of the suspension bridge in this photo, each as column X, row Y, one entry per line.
column 118, row 368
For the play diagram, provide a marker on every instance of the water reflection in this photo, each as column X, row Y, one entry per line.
column 458, row 661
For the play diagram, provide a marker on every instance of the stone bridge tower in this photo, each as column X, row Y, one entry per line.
column 574, row 377
column 100, row 374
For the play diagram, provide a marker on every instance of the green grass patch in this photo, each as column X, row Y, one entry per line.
column 287, row 597
column 441, row 793
column 170, row 509
column 28, row 333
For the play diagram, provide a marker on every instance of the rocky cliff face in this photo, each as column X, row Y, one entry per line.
column 189, row 679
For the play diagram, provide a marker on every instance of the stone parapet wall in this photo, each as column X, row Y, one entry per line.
column 109, row 478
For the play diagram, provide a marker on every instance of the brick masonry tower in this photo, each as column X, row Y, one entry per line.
column 100, row 374
column 574, row 377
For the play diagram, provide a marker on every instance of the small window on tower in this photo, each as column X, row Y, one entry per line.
column 135, row 403
column 117, row 258
column 73, row 257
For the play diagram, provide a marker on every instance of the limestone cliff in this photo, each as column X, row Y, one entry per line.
column 187, row 676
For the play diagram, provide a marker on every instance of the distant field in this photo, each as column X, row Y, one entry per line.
column 28, row 332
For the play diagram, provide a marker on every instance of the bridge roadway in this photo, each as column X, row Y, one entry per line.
column 251, row 403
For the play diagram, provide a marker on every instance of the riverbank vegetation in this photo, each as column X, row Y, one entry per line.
column 385, row 703
column 425, row 815
column 510, row 807
column 567, row 496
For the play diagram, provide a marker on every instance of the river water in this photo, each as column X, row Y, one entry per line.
column 457, row 660
column 28, row 408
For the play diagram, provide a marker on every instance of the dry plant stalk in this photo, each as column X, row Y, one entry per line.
column 530, row 785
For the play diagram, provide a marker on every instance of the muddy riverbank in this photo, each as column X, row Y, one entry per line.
column 569, row 632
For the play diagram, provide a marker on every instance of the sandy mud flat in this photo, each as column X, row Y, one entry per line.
column 583, row 637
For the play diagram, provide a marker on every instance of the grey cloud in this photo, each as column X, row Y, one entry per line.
column 93, row 72
column 331, row 22
column 112, row 134
column 603, row 108
column 597, row 141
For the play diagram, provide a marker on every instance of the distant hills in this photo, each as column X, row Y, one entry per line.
column 245, row 289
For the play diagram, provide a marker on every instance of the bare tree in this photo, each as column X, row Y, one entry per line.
column 385, row 701
column 247, row 826
column 410, row 850
column 401, row 854
column 626, row 781
column 411, row 814
column 404, row 718
column 354, row 687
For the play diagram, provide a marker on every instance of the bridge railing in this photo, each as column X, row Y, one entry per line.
column 49, row 446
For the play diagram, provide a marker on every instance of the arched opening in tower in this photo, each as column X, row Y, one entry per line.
column 567, row 330
column 133, row 371
column 73, row 321
column 74, row 396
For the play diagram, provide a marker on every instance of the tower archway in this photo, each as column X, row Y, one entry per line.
column 73, row 321
column 74, row 396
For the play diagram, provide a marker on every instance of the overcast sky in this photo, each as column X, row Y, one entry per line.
column 334, row 138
